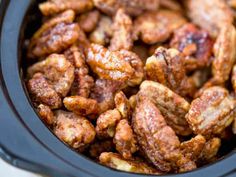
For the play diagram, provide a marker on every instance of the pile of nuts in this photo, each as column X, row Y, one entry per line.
column 143, row 86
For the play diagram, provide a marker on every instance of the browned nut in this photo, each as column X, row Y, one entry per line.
column 208, row 18
column 166, row 66
column 74, row 130
column 193, row 147
column 88, row 21
column 171, row 5
column 115, row 161
column 137, row 65
column 42, row 92
column 58, row 71
column 99, row 147
column 195, row 44
column 52, row 7
column 80, row 105
column 103, row 32
column 124, row 139
column 133, row 8
column 172, row 106
column 156, row 139
column 123, row 105
column 122, row 32
column 133, row 101
column 53, row 40
column 153, row 27
column 210, row 150
column 225, row 53
column 46, row 114
column 106, row 124
column 107, row 64
column 212, row 112
column 83, row 82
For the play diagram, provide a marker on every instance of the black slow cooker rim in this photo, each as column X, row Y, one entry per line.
column 14, row 87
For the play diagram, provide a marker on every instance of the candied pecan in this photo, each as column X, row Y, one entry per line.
column 134, row 7
column 212, row 112
column 83, row 82
column 196, row 45
column 88, row 21
column 123, row 105
column 133, row 101
column 166, row 66
column 153, row 27
column 54, row 39
column 156, row 139
column 172, row 106
column 106, row 124
column 210, row 18
column 124, row 139
column 193, row 147
column 115, row 161
column 46, row 114
column 80, row 105
column 58, row 71
column 225, row 53
column 99, row 147
column 103, row 32
column 122, row 32
column 171, row 5
column 52, row 7
column 137, row 65
column 42, row 92
column 104, row 91
column 107, row 64
column 210, row 150
column 74, row 130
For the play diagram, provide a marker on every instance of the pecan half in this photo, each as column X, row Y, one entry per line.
column 211, row 19
column 133, row 8
column 74, row 130
column 124, row 139
column 225, row 53
column 42, row 92
column 52, row 7
column 88, row 21
column 166, row 66
column 106, row 124
column 172, row 106
column 115, row 161
column 46, row 114
column 153, row 27
column 212, row 112
column 122, row 32
column 156, row 139
column 195, row 44
column 58, row 71
column 123, row 105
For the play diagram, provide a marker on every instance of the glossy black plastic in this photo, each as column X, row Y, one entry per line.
column 25, row 141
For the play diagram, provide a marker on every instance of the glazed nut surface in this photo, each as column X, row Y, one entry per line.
column 115, row 161
column 166, row 66
column 172, row 106
column 212, row 112
column 106, row 124
column 158, row 141
column 124, row 139
column 42, row 92
column 107, row 64
column 58, row 71
column 153, row 27
column 52, row 7
column 122, row 104
column 46, row 114
column 74, row 130
column 122, row 32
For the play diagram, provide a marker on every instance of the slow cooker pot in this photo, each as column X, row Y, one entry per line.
column 25, row 141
